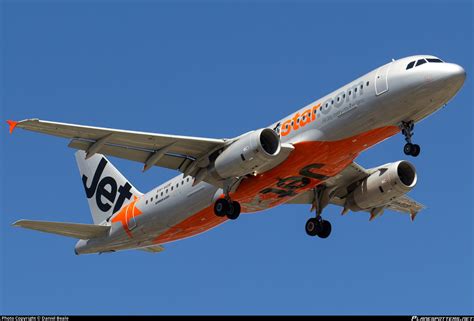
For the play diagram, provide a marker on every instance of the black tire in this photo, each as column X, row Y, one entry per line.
column 408, row 149
column 415, row 150
column 233, row 211
column 325, row 229
column 221, row 207
column 312, row 227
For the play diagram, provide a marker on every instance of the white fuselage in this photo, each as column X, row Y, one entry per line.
column 381, row 98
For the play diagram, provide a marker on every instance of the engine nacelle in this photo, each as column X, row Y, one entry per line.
column 249, row 153
column 387, row 183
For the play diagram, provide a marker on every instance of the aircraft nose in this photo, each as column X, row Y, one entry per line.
column 454, row 75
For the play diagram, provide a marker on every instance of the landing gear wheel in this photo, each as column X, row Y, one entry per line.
column 416, row 150
column 221, row 207
column 233, row 211
column 408, row 148
column 312, row 227
column 412, row 149
column 319, row 227
column 325, row 229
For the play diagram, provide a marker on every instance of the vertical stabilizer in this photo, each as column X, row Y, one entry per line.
column 107, row 190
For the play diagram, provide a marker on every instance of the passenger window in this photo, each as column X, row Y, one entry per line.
column 344, row 96
column 151, row 200
column 182, row 182
column 434, row 60
column 410, row 65
column 177, row 185
column 355, row 90
column 367, row 84
column 146, row 202
column 361, row 86
column 161, row 193
column 166, row 191
column 171, row 187
column 420, row 62
column 187, row 179
column 350, row 92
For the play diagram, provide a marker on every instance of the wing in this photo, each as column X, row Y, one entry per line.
column 342, row 183
column 169, row 151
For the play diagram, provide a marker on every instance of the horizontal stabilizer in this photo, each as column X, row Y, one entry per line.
column 75, row 230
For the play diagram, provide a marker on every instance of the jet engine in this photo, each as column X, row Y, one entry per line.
column 387, row 183
column 249, row 153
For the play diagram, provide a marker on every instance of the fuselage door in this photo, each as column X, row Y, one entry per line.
column 381, row 79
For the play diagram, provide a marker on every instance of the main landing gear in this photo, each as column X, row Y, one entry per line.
column 316, row 226
column 407, row 131
column 227, row 207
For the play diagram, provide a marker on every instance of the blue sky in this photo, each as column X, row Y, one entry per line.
column 218, row 69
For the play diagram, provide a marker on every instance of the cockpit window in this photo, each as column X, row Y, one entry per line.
column 420, row 62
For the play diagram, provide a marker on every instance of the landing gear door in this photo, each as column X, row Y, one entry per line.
column 381, row 79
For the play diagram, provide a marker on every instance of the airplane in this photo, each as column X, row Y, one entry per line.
column 304, row 158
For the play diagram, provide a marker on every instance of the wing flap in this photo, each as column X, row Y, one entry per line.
column 152, row 249
column 171, row 161
column 74, row 230
column 405, row 204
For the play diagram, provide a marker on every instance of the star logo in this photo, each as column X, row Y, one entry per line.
column 127, row 213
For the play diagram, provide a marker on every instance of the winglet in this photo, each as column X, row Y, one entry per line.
column 12, row 125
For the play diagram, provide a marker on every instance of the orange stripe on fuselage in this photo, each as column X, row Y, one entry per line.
column 331, row 157
column 200, row 222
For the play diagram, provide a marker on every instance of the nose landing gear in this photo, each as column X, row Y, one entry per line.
column 411, row 149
